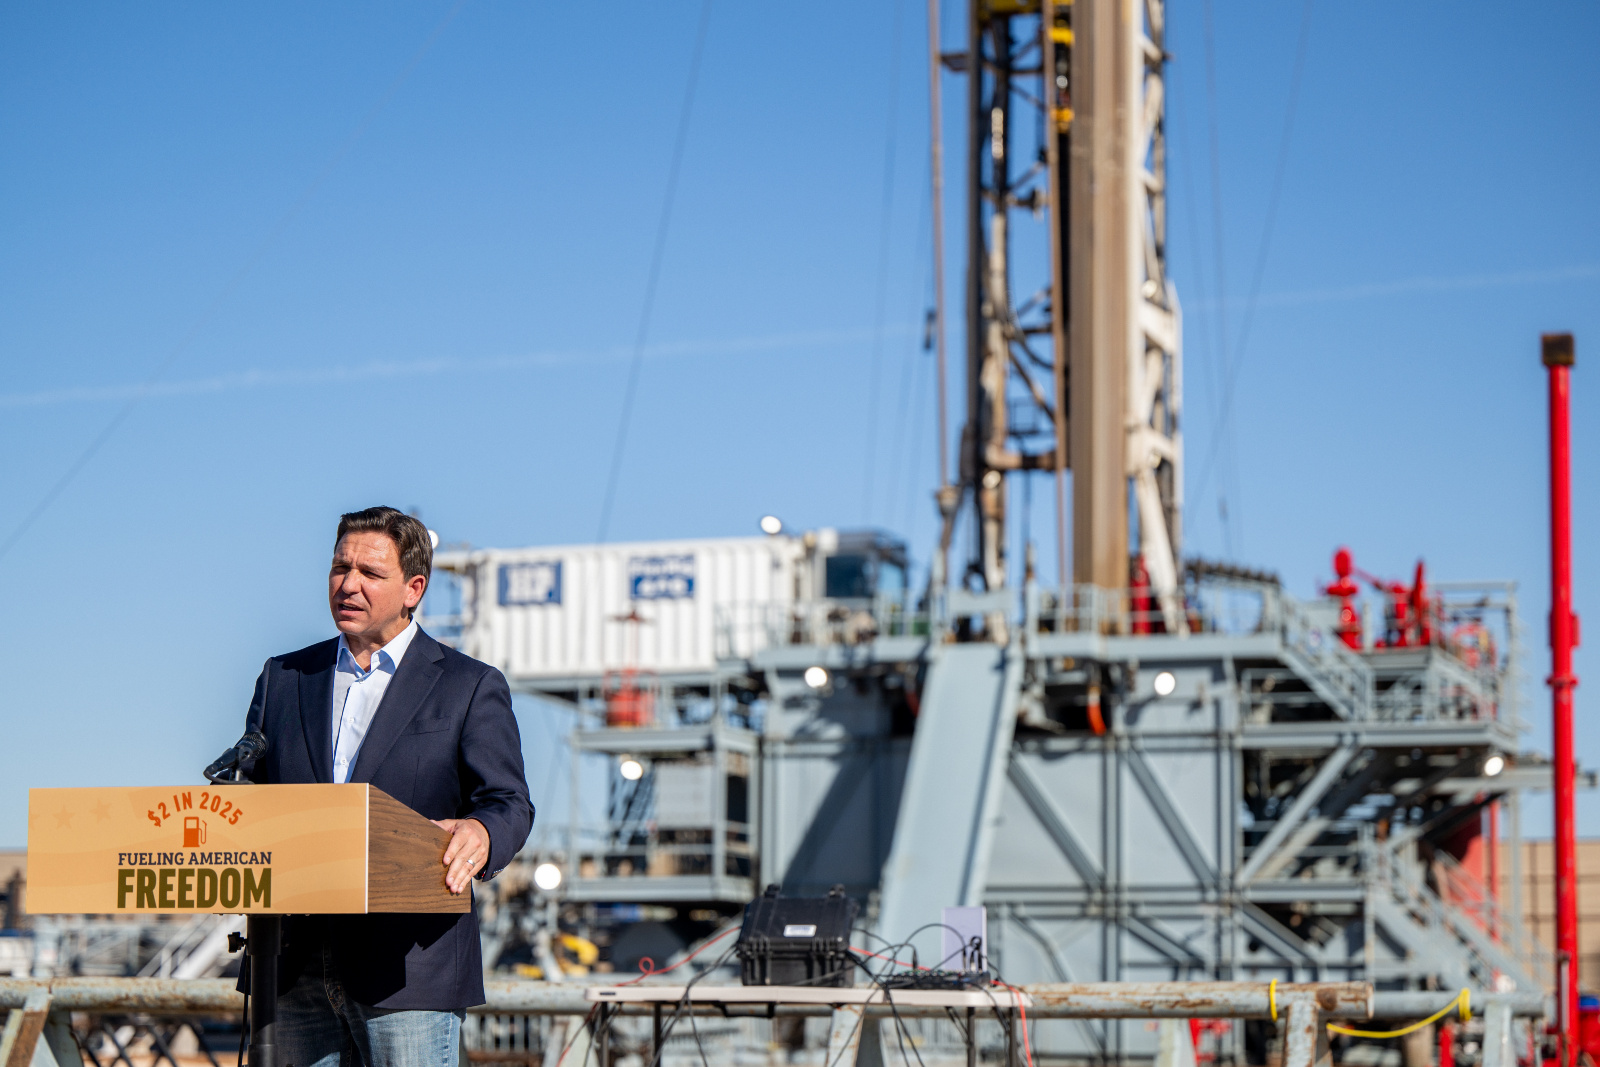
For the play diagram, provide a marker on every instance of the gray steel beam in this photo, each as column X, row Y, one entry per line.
column 1532, row 779
column 1305, row 1041
column 1197, row 647
column 1146, row 930
column 1497, row 1037
column 1315, row 736
column 1314, row 791
column 1171, row 817
column 1313, row 890
column 845, row 1026
column 1054, row 821
column 940, row 852
column 841, row 657
column 1270, row 932
column 1406, row 1004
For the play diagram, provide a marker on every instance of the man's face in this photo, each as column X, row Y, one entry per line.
column 367, row 590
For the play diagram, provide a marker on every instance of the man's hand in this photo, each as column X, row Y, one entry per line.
column 468, row 851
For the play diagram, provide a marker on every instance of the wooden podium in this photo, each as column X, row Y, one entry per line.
column 239, row 849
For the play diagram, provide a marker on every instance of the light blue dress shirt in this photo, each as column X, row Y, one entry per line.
column 357, row 694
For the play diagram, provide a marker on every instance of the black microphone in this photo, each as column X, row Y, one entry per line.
column 226, row 767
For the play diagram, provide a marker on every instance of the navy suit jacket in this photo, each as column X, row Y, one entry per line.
column 444, row 743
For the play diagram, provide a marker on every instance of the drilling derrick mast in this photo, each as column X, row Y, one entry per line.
column 1082, row 370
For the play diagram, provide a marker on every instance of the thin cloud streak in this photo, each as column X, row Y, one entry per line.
column 257, row 379
column 1426, row 284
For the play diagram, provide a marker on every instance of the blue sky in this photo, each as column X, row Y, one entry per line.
column 398, row 253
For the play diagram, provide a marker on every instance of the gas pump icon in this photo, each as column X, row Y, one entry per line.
column 194, row 831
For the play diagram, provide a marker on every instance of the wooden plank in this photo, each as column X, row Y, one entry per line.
column 404, row 851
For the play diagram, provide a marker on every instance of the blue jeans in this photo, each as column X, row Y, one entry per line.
column 318, row 1026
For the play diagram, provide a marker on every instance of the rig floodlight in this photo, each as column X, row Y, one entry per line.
column 547, row 876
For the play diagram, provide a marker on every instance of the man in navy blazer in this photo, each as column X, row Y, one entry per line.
column 385, row 703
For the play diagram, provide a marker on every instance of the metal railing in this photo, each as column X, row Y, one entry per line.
column 504, row 1031
column 1494, row 955
column 744, row 629
column 1335, row 674
column 1467, row 895
column 1053, row 1000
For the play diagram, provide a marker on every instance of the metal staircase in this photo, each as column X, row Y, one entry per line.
column 1336, row 674
column 1466, row 923
column 198, row 948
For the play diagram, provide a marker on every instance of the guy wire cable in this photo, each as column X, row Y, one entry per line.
column 231, row 287
column 654, row 277
column 1230, row 368
column 884, row 229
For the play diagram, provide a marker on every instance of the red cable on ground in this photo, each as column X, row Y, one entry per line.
column 647, row 966
column 1027, row 1044
column 587, row 1019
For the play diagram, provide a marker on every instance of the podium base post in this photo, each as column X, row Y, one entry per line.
column 263, row 942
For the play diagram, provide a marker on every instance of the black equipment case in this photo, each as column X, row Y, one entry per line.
column 797, row 940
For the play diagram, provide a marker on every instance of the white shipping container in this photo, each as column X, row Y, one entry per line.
column 563, row 611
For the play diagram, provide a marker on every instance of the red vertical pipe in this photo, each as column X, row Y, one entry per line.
column 1558, row 353
column 1492, row 866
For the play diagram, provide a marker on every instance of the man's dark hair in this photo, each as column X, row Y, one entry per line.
column 410, row 537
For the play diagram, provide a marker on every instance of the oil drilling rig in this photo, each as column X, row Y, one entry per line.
column 1148, row 769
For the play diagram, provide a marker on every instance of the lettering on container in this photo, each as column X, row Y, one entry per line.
column 661, row 577
column 538, row 582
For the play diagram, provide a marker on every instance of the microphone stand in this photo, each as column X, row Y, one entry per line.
column 262, row 943
column 264, row 940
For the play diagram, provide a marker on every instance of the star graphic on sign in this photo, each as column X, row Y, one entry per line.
column 102, row 811
column 63, row 819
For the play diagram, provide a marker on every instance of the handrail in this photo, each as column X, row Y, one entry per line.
column 1079, row 1000
column 1131, row 1000
column 1412, row 893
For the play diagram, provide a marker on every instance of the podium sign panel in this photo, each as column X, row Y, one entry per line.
column 251, row 849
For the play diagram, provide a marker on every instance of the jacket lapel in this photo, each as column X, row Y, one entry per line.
column 316, row 714
column 412, row 683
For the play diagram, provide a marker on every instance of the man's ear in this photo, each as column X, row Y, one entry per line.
column 418, row 591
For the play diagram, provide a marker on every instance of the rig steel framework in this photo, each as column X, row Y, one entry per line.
column 1145, row 771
